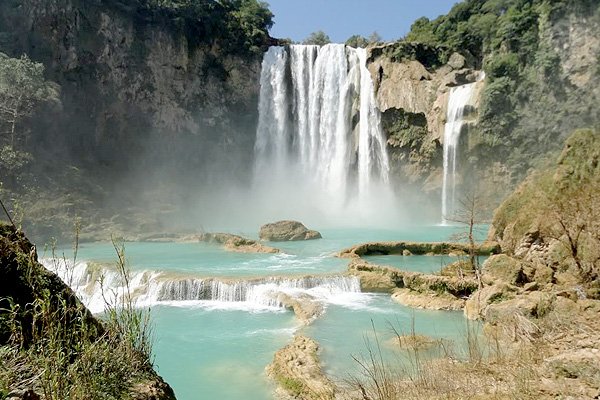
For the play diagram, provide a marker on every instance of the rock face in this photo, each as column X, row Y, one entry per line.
column 413, row 82
column 141, row 90
column 128, row 74
column 236, row 243
column 283, row 231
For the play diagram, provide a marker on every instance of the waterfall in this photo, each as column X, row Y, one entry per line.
column 461, row 97
column 158, row 287
column 319, row 131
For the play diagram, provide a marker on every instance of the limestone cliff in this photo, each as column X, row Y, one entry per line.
column 150, row 96
column 532, row 98
column 413, row 82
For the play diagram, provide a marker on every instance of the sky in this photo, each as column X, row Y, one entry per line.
column 340, row 19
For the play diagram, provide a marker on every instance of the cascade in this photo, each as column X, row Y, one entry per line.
column 461, row 97
column 154, row 287
column 319, row 130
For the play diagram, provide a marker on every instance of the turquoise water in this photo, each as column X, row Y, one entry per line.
column 218, row 354
column 381, row 313
column 418, row 263
column 219, row 350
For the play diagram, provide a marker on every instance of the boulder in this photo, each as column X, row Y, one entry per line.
column 306, row 307
column 428, row 300
column 283, row 231
column 532, row 305
column 502, row 268
column 459, row 268
column 477, row 304
column 237, row 243
column 457, row 61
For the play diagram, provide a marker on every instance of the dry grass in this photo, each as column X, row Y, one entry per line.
column 57, row 350
column 510, row 362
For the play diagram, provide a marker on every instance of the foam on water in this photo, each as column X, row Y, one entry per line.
column 96, row 285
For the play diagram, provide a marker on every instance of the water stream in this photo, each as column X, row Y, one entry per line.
column 460, row 99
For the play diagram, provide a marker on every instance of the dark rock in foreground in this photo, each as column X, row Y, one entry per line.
column 283, row 231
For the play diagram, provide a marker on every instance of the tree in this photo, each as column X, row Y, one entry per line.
column 357, row 41
column 22, row 88
column 375, row 38
column 571, row 204
column 469, row 217
column 319, row 38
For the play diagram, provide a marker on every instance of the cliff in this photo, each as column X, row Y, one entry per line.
column 542, row 81
column 130, row 73
column 154, row 98
column 413, row 83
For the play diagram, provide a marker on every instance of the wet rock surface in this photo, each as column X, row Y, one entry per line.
column 284, row 231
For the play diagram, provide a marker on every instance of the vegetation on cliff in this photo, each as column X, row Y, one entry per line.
column 139, row 88
column 534, row 97
column 241, row 25
column 52, row 345
column 556, row 212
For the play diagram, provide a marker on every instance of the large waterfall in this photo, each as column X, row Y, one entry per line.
column 460, row 99
column 95, row 285
column 319, row 137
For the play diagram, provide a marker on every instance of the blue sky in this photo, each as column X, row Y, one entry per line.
column 340, row 19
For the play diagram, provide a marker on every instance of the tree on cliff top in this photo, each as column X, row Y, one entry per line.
column 242, row 24
column 357, row 41
column 319, row 38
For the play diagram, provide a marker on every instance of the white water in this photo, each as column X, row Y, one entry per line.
column 460, row 98
column 150, row 288
column 319, row 138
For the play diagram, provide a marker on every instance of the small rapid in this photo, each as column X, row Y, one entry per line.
column 98, row 285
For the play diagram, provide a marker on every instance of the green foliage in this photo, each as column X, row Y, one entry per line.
column 357, row 41
column 242, row 26
column 318, row 38
column 22, row 88
column 296, row 388
column 503, row 65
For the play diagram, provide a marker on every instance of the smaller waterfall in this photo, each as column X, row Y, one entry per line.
column 156, row 287
column 461, row 97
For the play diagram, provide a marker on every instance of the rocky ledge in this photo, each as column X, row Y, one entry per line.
column 415, row 289
column 284, row 231
column 237, row 243
column 298, row 373
column 306, row 307
column 420, row 248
